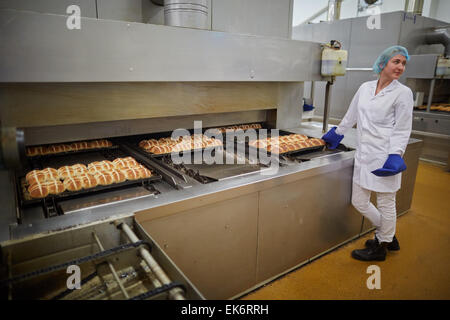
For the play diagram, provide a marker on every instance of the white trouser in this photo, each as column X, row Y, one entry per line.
column 383, row 218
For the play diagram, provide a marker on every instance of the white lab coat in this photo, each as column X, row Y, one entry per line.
column 384, row 125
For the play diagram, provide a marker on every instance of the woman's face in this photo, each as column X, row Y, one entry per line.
column 395, row 67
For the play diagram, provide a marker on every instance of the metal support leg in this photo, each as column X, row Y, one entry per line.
column 430, row 95
column 326, row 112
column 113, row 270
column 176, row 293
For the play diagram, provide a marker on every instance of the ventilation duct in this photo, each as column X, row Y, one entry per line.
column 186, row 13
column 414, row 6
column 439, row 36
column 334, row 10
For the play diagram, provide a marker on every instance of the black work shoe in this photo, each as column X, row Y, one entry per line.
column 392, row 246
column 377, row 253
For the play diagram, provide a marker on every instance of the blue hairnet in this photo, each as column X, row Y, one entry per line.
column 387, row 55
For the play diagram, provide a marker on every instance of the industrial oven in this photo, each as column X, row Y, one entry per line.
column 102, row 94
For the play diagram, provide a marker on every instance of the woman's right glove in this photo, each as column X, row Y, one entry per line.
column 332, row 138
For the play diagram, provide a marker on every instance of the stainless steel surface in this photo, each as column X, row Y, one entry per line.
column 290, row 105
column 359, row 69
column 291, row 215
column 87, row 7
column 436, row 147
column 111, row 267
column 430, row 94
column 11, row 147
column 258, row 17
column 421, row 66
column 168, row 265
column 439, row 36
column 176, row 293
column 103, row 104
column 230, row 166
column 129, row 10
column 8, row 213
column 186, row 13
column 326, row 113
column 431, row 122
column 213, row 242
column 285, row 192
column 44, row 250
column 215, row 191
column 217, row 56
column 158, row 2
column 110, row 129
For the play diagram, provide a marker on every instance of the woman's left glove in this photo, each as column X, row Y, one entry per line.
column 393, row 165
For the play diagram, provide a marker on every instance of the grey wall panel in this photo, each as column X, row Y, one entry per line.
column 7, row 199
column 40, row 48
column 293, row 214
column 129, row 10
column 257, row 17
column 429, row 23
column 303, row 32
column 367, row 44
column 354, row 80
column 51, row 6
column 323, row 33
column 411, row 33
column 290, row 103
column 152, row 13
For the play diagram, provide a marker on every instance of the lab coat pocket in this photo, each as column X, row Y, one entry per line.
column 375, row 161
column 375, row 141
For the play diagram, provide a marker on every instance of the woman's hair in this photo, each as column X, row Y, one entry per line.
column 387, row 55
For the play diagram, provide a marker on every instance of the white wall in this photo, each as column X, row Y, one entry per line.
column 303, row 9
column 442, row 10
column 256, row 17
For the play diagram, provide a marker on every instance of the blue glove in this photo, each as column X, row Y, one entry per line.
column 332, row 138
column 308, row 107
column 393, row 165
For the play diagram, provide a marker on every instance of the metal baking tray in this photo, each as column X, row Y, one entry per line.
column 58, row 160
column 185, row 152
column 281, row 133
column 297, row 152
column 66, row 153
column 134, row 142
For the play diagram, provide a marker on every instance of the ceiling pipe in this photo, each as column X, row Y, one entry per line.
column 315, row 15
column 186, row 13
column 414, row 6
column 437, row 36
column 334, row 10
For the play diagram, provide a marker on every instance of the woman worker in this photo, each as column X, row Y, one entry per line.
column 382, row 110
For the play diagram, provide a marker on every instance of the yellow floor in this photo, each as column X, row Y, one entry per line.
column 420, row 270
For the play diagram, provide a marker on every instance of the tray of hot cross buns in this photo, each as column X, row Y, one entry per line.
column 158, row 147
column 288, row 143
column 235, row 128
column 68, row 148
column 64, row 176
